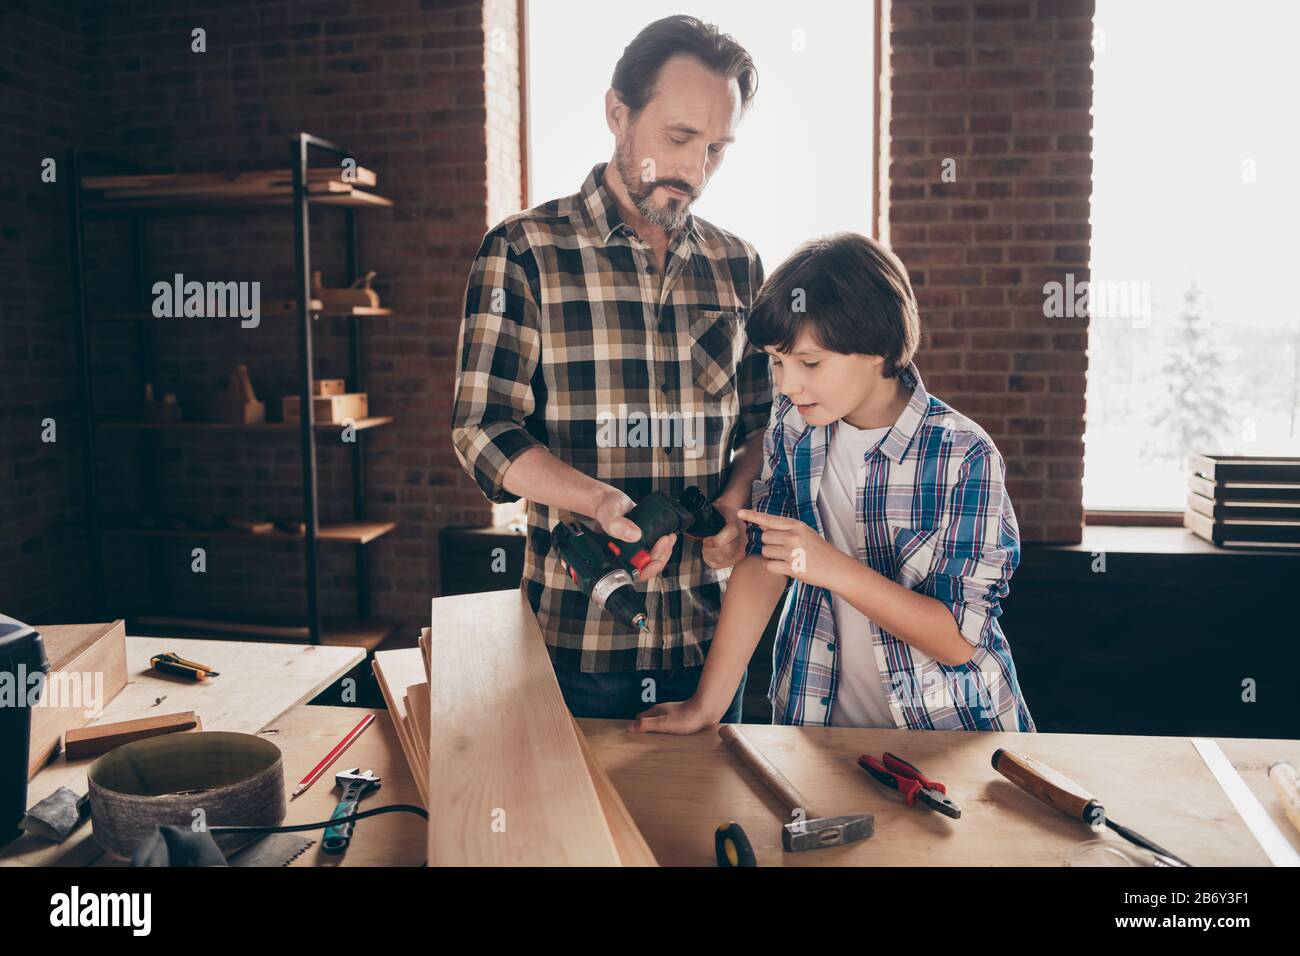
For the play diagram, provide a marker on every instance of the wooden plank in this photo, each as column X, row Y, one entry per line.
column 631, row 845
column 395, row 671
column 370, row 421
column 353, row 532
column 249, row 179
column 231, row 195
column 508, row 784
column 304, row 734
column 678, row 789
column 425, row 644
column 258, row 682
column 417, row 713
column 92, row 741
column 87, row 671
column 356, row 198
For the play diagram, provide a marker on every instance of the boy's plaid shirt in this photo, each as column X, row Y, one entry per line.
column 563, row 346
column 934, row 516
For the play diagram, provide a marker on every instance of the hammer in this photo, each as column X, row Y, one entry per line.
column 355, row 785
column 809, row 831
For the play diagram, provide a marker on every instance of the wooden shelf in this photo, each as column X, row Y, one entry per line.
column 354, row 200
column 267, row 187
column 347, row 632
column 355, row 532
column 373, row 421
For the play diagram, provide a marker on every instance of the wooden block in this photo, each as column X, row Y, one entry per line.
column 251, row 525
column 503, row 748
column 233, row 400
column 341, row 300
column 79, row 655
column 329, row 386
column 101, row 738
column 328, row 409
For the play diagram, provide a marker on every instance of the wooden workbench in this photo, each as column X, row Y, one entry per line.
column 679, row 789
column 258, row 683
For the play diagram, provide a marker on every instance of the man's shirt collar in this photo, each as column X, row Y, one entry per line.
column 601, row 215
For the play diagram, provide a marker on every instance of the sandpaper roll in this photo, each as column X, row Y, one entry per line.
column 233, row 779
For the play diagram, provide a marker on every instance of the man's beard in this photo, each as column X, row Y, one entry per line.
column 670, row 217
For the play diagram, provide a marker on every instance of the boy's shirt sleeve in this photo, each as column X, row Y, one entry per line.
column 498, row 349
column 977, row 545
column 773, row 492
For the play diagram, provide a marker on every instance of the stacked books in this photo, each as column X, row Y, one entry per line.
column 1242, row 502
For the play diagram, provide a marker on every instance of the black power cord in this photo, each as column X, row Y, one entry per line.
column 350, row 818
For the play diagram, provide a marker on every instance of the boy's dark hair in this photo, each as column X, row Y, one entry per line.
column 636, row 75
column 856, row 299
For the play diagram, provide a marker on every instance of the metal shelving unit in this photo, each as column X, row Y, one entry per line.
column 360, row 531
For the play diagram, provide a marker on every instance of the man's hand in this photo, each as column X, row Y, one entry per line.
column 726, row 547
column 794, row 549
column 675, row 717
column 609, row 510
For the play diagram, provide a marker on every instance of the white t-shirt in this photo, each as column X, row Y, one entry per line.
column 860, row 700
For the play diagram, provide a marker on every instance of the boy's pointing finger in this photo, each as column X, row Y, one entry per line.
column 763, row 520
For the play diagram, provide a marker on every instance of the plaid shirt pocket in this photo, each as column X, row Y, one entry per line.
column 717, row 341
column 914, row 550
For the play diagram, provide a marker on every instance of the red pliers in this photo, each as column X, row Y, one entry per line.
column 897, row 773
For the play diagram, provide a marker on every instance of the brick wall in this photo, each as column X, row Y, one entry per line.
column 42, row 560
column 1004, row 89
column 426, row 93
column 401, row 82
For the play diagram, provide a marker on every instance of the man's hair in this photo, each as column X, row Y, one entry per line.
column 851, row 292
column 636, row 75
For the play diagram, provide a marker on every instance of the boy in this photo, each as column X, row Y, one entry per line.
column 892, row 620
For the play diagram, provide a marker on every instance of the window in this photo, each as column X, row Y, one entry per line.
column 802, row 165
column 1194, row 342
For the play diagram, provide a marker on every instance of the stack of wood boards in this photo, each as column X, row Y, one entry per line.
column 267, row 184
column 1240, row 502
column 87, row 669
column 404, row 682
column 505, row 773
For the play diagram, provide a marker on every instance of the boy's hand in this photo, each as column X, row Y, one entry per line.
column 726, row 547
column 794, row 549
column 674, row 717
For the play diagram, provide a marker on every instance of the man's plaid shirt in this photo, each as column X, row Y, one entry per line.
column 568, row 343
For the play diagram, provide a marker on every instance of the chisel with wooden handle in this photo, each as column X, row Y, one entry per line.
column 1061, row 793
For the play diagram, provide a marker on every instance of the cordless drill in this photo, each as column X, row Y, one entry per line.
column 599, row 575
column 606, row 568
column 659, row 515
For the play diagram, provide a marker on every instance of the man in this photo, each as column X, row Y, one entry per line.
column 602, row 357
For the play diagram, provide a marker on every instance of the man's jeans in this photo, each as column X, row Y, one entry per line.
column 622, row 695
